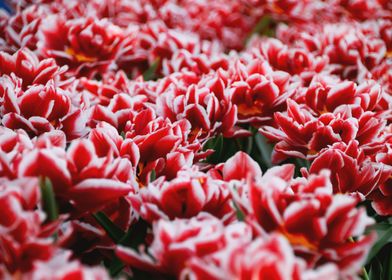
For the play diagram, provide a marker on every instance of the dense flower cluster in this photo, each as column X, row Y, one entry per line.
column 186, row 139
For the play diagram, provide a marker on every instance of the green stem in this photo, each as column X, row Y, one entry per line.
column 238, row 143
column 48, row 199
column 365, row 275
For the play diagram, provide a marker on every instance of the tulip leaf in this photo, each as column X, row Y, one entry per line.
column 113, row 231
column 153, row 175
column 249, row 146
column 375, row 271
column 262, row 27
column 215, row 144
column 133, row 238
column 115, row 266
column 150, row 73
column 265, row 149
column 48, row 199
column 240, row 215
column 382, row 241
column 365, row 275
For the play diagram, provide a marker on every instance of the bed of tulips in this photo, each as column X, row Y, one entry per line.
column 196, row 139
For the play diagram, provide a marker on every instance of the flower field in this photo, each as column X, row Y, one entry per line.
column 196, row 139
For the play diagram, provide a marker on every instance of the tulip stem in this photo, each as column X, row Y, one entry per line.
column 238, row 143
column 113, row 231
column 48, row 199
column 365, row 275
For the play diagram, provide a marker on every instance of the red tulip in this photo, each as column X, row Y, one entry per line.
column 303, row 135
column 62, row 267
column 185, row 196
column 176, row 242
column 270, row 257
column 23, row 238
column 326, row 94
column 25, row 65
column 351, row 170
column 258, row 91
column 88, row 46
column 317, row 223
column 206, row 105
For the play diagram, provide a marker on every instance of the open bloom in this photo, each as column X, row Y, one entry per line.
column 25, row 65
column 39, row 108
column 88, row 46
column 351, row 170
column 269, row 257
column 24, row 236
column 204, row 102
column 322, row 227
column 190, row 193
column 76, row 174
column 176, row 242
column 20, row 29
column 62, row 267
column 382, row 196
column 301, row 134
column 293, row 60
column 325, row 94
column 258, row 91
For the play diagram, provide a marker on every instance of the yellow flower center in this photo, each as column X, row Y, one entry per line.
column 299, row 240
column 246, row 110
column 80, row 57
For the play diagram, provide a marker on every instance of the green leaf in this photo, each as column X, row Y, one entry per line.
column 262, row 27
column 365, row 275
column 382, row 241
column 215, row 144
column 265, row 149
column 48, row 199
column 376, row 271
column 114, row 232
column 132, row 238
column 240, row 215
column 150, row 74
column 249, row 145
column 300, row 162
column 153, row 175
column 115, row 266
column 388, row 265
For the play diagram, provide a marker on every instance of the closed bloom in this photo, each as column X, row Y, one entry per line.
column 165, row 147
